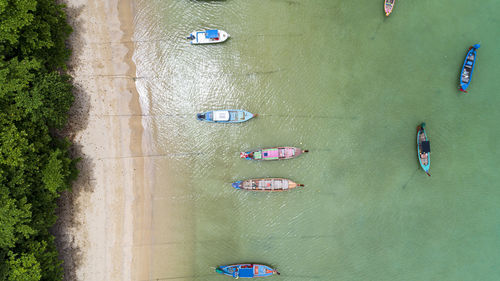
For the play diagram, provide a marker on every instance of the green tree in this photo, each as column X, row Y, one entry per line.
column 13, row 221
column 35, row 165
column 23, row 267
column 14, row 15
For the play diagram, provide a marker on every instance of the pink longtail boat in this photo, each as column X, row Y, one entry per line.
column 266, row 184
column 388, row 6
column 273, row 153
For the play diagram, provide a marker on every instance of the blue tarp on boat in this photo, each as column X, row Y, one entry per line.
column 213, row 33
column 426, row 146
column 246, row 272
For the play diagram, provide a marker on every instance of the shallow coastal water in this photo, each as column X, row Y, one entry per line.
column 340, row 79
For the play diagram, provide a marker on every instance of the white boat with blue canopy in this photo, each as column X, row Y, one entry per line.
column 225, row 116
column 210, row 36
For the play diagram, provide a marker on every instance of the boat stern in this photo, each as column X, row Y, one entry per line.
column 192, row 38
column 206, row 116
column 264, row 270
column 201, row 116
column 237, row 184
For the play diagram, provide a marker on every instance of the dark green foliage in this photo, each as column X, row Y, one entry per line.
column 35, row 165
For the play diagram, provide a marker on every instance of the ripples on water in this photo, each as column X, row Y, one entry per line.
column 339, row 79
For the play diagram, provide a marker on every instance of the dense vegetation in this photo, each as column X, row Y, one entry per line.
column 35, row 166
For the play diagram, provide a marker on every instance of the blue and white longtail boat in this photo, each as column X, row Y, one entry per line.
column 273, row 153
column 246, row 270
column 423, row 149
column 226, row 116
column 266, row 184
column 211, row 36
column 468, row 67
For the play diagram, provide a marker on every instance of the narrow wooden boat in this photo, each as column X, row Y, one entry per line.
column 468, row 67
column 266, row 184
column 423, row 149
column 211, row 36
column 225, row 116
column 388, row 6
column 246, row 270
column 273, row 153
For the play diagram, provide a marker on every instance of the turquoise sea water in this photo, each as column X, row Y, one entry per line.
column 347, row 83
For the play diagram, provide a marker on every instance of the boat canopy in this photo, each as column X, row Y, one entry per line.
column 213, row 33
column 271, row 153
column 245, row 272
column 426, row 146
column 257, row 155
column 221, row 115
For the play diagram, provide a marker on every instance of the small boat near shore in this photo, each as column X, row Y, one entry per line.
column 225, row 116
column 246, row 270
column 423, row 149
column 468, row 67
column 266, row 184
column 211, row 36
column 273, row 153
column 388, row 6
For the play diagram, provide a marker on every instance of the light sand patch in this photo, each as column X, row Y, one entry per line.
column 104, row 227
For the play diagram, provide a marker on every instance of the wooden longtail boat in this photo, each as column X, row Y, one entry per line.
column 225, row 116
column 423, row 149
column 208, row 37
column 388, row 6
column 273, row 153
column 266, row 184
column 468, row 67
column 246, row 270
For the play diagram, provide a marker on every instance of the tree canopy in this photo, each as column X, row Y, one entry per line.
column 35, row 165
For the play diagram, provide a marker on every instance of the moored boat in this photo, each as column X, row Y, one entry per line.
column 211, row 36
column 246, row 270
column 468, row 67
column 273, row 153
column 423, row 149
column 225, row 116
column 266, row 184
column 388, row 6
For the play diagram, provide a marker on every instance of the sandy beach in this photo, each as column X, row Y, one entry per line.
column 104, row 228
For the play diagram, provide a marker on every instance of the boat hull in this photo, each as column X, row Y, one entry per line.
column 468, row 67
column 422, row 136
column 272, row 153
column 199, row 37
column 234, row 116
column 388, row 6
column 246, row 270
column 266, row 184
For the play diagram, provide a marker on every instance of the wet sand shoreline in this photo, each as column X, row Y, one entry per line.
column 104, row 228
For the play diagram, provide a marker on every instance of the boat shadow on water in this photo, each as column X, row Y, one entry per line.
column 410, row 178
